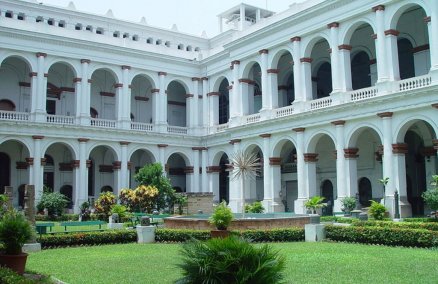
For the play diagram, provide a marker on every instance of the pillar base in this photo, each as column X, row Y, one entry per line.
column 268, row 205
column 278, row 205
column 145, row 234
column 33, row 247
column 235, row 121
column 314, row 232
column 405, row 207
column 265, row 114
column 235, row 205
column 299, row 206
column 337, row 206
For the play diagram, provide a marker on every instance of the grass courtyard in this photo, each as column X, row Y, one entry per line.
column 306, row 263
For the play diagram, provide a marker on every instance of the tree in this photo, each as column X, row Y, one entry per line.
column 153, row 175
column 431, row 195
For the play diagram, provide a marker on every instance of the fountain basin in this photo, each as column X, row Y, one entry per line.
column 262, row 221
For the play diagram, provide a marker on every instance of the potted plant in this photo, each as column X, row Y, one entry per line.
column 315, row 203
column 15, row 230
column 348, row 205
column 221, row 219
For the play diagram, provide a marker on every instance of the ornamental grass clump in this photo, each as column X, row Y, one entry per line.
column 230, row 260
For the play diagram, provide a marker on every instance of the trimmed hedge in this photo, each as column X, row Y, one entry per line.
column 337, row 219
column 89, row 238
column 420, row 219
column 431, row 226
column 62, row 218
column 383, row 236
column 180, row 235
column 274, row 235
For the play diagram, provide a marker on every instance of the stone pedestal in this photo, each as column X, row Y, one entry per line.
column 116, row 226
column 34, row 247
column 145, row 234
column 199, row 201
column 314, row 232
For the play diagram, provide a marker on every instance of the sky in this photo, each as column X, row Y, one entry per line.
column 190, row 16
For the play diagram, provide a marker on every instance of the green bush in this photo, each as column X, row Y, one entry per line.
column 431, row 195
column 15, row 230
column 88, row 238
column 180, row 235
column 274, row 235
column 103, row 205
column 222, row 216
column 55, row 203
column 8, row 276
column 383, row 236
column 120, row 210
column 420, row 219
column 431, row 226
column 63, row 217
column 256, row 207
column 230, row 260
column 377, row 210
column 337, row 219
column 315, row 203
column 348, row 204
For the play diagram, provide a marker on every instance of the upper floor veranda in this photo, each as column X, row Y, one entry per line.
column 377, row 49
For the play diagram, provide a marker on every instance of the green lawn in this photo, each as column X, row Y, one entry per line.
column 306, row 263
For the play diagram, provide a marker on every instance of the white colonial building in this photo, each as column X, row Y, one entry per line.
column 332, row 95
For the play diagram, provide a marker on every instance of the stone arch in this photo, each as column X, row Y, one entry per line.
column 31, row 63
column 177, row 114
column 394, row 17
column 354, row 133
column 275, row 59
column 279, row 143
column 310, row 44
column 67, row 144
column 111, row 148
column 112, row 70
column 247, row 68
column 403, row 127
column 348, row 32
column 73, row 65
column 141, row 98
column 314, row 139
column 145, row 76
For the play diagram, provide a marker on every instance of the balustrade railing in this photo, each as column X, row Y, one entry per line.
column 253, row 118
column 414, row 83
column 284, row 111
column 146, row 127
column 60, row 119
column 363, row 94
column 13, row 115
column 222, row 127
column 104, row 123
column 177, row 130
column 320, row 103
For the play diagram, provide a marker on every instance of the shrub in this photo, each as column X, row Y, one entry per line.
column 54, row 202
column 8, row 276
column 431, row 195
column 377, row 210
column 348, row 204
column 222, row 216
column 15, row 230
column 420, row 220
column 3, row 204
column 120, row 210
column 230, row 260
column 153, row 175
column 180, row 235
column 315, row 203
column 431, row 226
column 274, row 235
column 104, row 204
column 383, row 236
column 88, row 238
column 180, row 201
column 256, row 207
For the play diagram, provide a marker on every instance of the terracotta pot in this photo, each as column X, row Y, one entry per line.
column 16, row 263
column 219, row 234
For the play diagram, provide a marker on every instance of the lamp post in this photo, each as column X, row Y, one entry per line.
column 396, row 204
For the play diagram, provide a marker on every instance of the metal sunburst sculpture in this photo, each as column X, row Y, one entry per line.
column 244, row 166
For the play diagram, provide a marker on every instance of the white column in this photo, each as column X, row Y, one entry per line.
column 37, row 168
column 78, row 98
column 310, row 160
column 161, row 158
column 190, row 110
column 235, row 97
column 387, row 153
column 85, row 93
column 306, row 78
column 392, row 54
column 41, row 90
column 399, row 173
column 351, row 156
column 124, row 172
column 162, row 105
column 382, row 70
column 204, row 175
column 213, row 99
column 119, row 103
column 272, row 100
column 268, row 188
column 33, row 92
column 243, row 100
column 242, row 17
column 81, row 192
column 336, row 65
column 235, row 184
column 196, row 94
column 344, row 76
column 205, row 103
column 340, row 166
column 125, row 115
column 117, row 172
column 275, row 177
column 302, row 192
column 296, row 54
column 433, row 34
column 219, row 22
column 195, row 185
column 266, row 95
column 155, row 105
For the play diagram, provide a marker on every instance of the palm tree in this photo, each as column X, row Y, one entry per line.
column 244, row 166
column 315, row 203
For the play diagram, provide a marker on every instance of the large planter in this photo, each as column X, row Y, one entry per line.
column 16, row 263
column 219, row 234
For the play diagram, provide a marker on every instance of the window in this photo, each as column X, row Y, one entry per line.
column 135, row 37
column 20, row 17
column 181, row 46
column 125, row 35
column 150, row 40
column 99, row 31
column 189, row 48
column 116, row 34
column 78, row 27
column 89, row 28
column 167, row 43
column 61, row 24
column 39, row 19
column 8, row 14
column 158, row 42
column 50, row 22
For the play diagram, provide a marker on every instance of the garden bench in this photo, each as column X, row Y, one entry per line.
column 82, row 224
column 41, row 228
